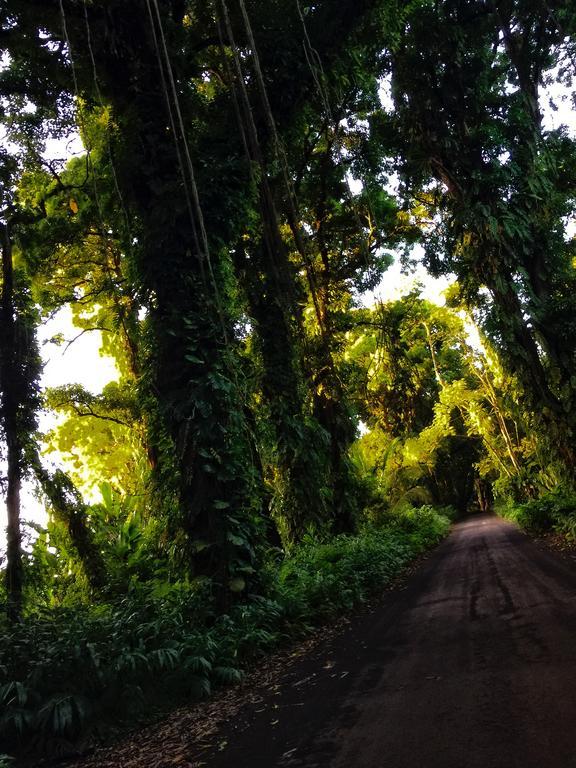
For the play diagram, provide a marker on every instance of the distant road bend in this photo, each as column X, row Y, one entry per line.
column 472, row 665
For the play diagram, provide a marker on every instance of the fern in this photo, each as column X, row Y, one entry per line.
column 73, row 672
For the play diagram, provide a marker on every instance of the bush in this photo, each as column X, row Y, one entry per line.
column 320, row 580
column 553, row 511
column 72, row 674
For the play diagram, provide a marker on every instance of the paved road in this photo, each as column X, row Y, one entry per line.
column 471, row 665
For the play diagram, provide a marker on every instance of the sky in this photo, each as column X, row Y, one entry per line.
column 79, row 363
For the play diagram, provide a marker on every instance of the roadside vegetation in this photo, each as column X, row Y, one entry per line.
column 75, row 675
column 552, row 512
column 279, row 442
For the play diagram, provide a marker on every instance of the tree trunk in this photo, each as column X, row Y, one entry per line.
column 69, row 508
column 14, row 569
column 9, row 423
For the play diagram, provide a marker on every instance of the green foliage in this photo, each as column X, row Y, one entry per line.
column 73, row 673
column 102, row 436
column 420, row 386
column 486, row 165
column 77, row 669
column 323, row 580
column 553, row 511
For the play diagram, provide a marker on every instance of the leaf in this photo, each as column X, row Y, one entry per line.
column 200, row 544
column 73, row 205
column 14, row 693
column 227, row 675
column 237, row 584
column 107, row 495
column 198, row 664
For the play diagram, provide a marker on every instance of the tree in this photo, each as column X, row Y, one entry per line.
column 466, row 80
column 19, row 372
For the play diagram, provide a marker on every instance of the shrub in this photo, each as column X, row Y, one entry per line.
column 71, row 674
column 555, row 510
column 323, row 579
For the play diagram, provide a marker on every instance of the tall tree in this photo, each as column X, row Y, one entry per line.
column 184, row 223
column 19, row 371
column 467, row 79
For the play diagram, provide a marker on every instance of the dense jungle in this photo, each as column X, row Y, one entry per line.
column 218, row 192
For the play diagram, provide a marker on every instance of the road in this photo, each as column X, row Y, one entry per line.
column 471, row 665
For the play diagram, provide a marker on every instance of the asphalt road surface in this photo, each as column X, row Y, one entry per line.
column 471, row 665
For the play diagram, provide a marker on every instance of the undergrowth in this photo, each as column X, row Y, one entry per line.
column 72, row 676
column 554, row 511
